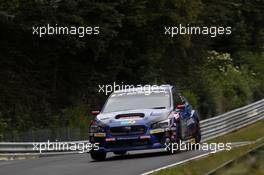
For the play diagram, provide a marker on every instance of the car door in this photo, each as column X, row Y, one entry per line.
column 185, row 123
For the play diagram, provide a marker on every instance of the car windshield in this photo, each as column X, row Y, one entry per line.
column 137, row 100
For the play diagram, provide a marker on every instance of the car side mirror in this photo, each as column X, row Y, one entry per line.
column 180, row 106
column 95, row 113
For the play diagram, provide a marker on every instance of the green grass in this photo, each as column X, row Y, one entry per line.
column 252, row 163
column 204, row 165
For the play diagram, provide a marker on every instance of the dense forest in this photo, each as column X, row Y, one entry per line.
column 52, row 81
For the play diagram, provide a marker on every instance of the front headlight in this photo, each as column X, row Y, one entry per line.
column 162, row 124
column 94, row 128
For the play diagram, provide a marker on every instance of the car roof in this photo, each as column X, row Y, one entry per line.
column 146, row 88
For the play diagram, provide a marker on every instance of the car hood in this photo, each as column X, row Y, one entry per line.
column 147, row 117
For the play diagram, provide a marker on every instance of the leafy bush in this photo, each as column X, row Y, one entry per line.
column 228, row 86
column 3, row 126
column 77, row 117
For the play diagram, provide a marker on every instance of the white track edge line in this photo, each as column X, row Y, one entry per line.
column 192, row 158
column 177, row 163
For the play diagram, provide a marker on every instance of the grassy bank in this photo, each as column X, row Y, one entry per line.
column 202, row 166
column 252, row 163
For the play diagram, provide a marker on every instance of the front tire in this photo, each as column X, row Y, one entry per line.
column 98, row 156
column 173, row 147
column 198, row 135
column 197, row 139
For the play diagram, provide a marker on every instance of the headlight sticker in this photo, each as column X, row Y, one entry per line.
column 155, row 131
column 99, row 134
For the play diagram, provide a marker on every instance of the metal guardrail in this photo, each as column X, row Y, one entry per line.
column 210, row 128
column 29, row 147
column 231, row 121
column 40, row 135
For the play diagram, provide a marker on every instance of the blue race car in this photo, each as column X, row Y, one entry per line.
column 138, row 119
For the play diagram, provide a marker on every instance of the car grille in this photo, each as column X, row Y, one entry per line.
column 128, row 143
column 127, row 130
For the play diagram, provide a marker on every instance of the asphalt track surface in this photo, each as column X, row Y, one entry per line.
column 133, row 163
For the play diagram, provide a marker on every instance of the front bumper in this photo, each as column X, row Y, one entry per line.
column 151, row 139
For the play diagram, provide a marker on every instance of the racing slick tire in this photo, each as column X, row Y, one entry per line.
column 198, row 135
column 98, row 156
column 197, row 139
column 172, row 147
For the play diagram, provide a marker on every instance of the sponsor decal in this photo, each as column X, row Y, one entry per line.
column 110, row 139
column 190, row 121
column 144, row 137
column 99, row 134
column 156, row 131
column 128, row 122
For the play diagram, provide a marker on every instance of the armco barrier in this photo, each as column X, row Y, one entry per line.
column 231, row 121
column 29, row 147
column 210, row 128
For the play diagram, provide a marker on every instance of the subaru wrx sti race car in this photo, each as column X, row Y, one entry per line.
column 138, row 119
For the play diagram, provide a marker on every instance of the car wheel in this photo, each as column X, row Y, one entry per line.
column 120, row 152
column 198, row 136
column 98, row 156
column 197, row 140
column 173, row 146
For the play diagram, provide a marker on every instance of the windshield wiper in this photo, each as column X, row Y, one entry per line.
column 159, row 107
